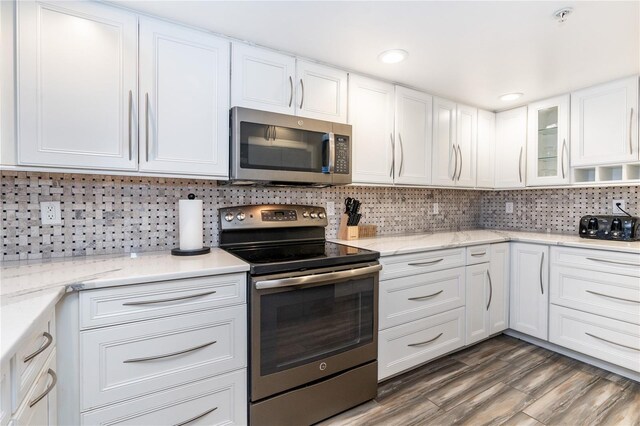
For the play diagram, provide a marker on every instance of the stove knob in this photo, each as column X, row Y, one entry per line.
column 305, row 214
column 322, row 215
column 228, row 217
column 314, row 215
column 240, row 216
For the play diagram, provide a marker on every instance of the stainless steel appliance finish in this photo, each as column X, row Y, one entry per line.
column 273, row 148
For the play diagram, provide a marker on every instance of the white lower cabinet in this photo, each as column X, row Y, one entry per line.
column 499, row 278
column 40, row 404
column 477, row 309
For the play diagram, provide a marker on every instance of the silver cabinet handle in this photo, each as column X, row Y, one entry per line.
column 332, row 152
column 613, row 343
column 460, row 171
column 401, row 155
column 426, row 341
column 172, row 299
column 490, row 288
column 520, row 165
column 41, row 349
column 612, row 297
column 478, row 254
column 630, row 131
column 49, row 388
column 541, row 262
column 318, row 278
column 199, row 416
column 455, row 170
column 433, row 262
column 615, row 262
column 302, row 97
column 290, row 90
column 392, row 149
column 130, row 125
column 154, row 357
column 564, row 147
column 146, row 125
column 426, row 297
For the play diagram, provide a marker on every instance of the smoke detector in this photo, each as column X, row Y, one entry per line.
column 562, row 14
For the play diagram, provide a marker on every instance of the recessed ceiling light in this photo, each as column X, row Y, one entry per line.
column 510, row 96
column 393, row 56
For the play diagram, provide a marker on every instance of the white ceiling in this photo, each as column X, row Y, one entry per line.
column 467, row 51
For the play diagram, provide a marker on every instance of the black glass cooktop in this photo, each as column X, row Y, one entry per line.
column 268, row 259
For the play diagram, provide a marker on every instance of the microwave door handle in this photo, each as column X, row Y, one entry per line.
column 318, row 278
column 332, row 152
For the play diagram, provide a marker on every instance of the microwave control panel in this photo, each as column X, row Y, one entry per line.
column 342, row 155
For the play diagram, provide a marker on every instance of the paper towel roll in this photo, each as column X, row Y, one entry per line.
column 190, row 222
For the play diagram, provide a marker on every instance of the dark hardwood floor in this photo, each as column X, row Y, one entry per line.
column 502, row 381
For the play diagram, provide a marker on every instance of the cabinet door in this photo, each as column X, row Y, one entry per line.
column 371, row 115
column 444, row 159
column 485, row 167
column 77, row 85
column 529, row 289
column 321, row 92
column 262, row 79
column 604, row 123
column 499, row 288
column 511, row 138
column 477, row 308
column 466, row 141
column 548, row 142
column 413, row 126
column 184, row 90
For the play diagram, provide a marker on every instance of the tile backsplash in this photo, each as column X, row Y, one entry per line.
column 120, row 214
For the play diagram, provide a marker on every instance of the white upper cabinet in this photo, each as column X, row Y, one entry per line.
column 548, row 142
column 77, row 85
column 184, row 99
column 413, row 126
column 444, row 169
column 321, row 92
column 371, row 115
column 466, row 141
column 485, row 166
column 511, row 140
column 262, row 79
column 604, row 123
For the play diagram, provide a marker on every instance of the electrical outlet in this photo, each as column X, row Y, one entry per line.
column 436, row 208
column 615, row 208
column 50, row 213
column 508, row 207
column 331, row 208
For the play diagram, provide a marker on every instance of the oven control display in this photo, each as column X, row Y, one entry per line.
column 278, row 215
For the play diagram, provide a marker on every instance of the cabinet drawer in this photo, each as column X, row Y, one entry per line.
column 410, row 298
column 417, row 263
column 609, row 295
column 31, row 356
column 126, row 361
column 43, row 395
column 612, row 341
column 117, row 305
column 219, row 400
column 408, row 345
column 478, row 254
column 597, row 260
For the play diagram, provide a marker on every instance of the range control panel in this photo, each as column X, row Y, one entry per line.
column 271, row 216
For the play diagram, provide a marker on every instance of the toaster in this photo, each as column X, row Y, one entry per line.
column 606, row 227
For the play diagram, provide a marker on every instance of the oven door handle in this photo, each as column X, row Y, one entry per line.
column 314, row 279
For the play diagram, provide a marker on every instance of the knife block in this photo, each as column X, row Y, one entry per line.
column 347, row 232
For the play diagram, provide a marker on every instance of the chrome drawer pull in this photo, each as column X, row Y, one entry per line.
column 47, row 390
column 199, row 416
column 433, row 262
column 425, row 297
column 426, row 341
column 151, row 358
column 478, row 254
column 541, row 263
column 41, row 349
column 613, row 261
column 612, row 297
column 173, row 299
column 613, row 343
column 490, row 289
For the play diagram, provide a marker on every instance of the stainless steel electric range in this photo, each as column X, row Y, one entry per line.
column 313, row 314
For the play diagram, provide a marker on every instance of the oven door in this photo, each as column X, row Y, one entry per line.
column 311, row 325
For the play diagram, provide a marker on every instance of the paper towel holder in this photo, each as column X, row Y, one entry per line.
column 178, row 252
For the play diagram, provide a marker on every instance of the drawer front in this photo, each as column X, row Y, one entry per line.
column 612, row 341
column 31, row 356
column 122, row 362
column 44, row 390
column 418, row 263
column 410, row 298
column 118, row 305
column 609, row 295
column 220, row 400
column 597, row 260
column 478, row 254
column 408, row 345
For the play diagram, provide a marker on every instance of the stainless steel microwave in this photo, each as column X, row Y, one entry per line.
column 273, row 148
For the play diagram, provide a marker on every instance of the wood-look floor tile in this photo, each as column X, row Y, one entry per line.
column 525, row 352
column 543, row 377
column 521, row 419
column 413, row 412
column 483, row 352
column 596, row 371
column 624, row 411
column 353, row 417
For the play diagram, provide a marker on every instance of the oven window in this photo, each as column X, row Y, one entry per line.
column 281, row 148
column 304, row 325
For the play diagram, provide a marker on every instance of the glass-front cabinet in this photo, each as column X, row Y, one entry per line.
column 548, row 142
